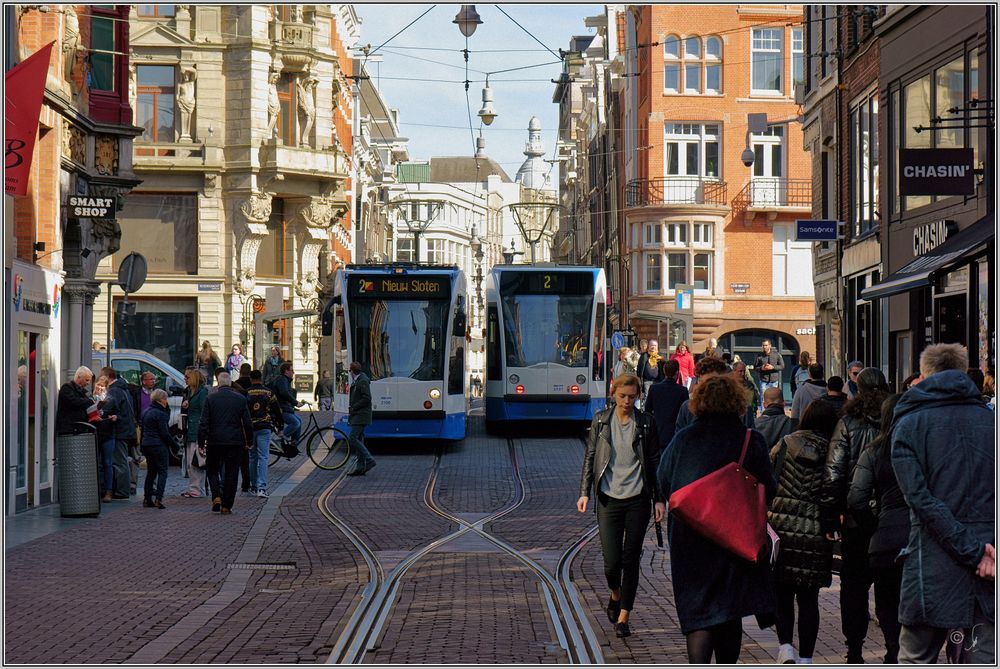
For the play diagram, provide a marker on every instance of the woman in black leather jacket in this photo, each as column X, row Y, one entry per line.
column 889, row 521
column 619, row 469
column 858, row 428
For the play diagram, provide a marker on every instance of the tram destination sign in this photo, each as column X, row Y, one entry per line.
column 936, row 172
column 381, row 286
column 544, row 283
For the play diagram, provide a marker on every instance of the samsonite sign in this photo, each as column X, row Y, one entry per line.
column 936, row 172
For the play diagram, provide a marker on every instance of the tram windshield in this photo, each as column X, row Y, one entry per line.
column 400, row 338
column 543, row 324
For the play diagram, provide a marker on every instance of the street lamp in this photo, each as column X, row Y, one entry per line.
column 487, row 113
column 409, row 209
column 467, row 20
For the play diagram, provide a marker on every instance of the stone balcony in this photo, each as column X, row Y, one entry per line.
column 190, row 156
column 327, row 163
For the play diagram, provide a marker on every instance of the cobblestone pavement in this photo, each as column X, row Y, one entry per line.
column 276, row 582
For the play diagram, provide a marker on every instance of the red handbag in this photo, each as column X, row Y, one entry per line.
column 727, row 507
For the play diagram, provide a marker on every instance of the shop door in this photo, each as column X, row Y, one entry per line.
column 34, row 433
column 951, row 315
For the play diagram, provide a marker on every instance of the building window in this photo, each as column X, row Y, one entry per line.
column 798, row 57
column 436, row 251
column 287, row 108
column 692, row 149
column 700, row 61
column 155, row 11
column 155, row 102
column 404, row 249
column 790, row 262
column 677, row 234
column 766, row 61
column 102, row 53
column 864, row 173
column 271, row 254
column 701, row 277
column 676, row 269
column 702, row 234
column 653, row 233
column 164, row 228
column 654, row 272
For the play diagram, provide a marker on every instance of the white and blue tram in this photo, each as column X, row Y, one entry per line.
column 546, row 350
column 406, row 325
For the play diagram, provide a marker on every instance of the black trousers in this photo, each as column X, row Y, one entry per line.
column 157, row 463
column 225, row 457
column 123, row 474
column 808, row 601
column 888, row 581
column 855, row 582
column 622, row 525
column 246, row 481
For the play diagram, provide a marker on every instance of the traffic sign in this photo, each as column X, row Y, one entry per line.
column 617, row 340
column 132, row 272
column 817, row 230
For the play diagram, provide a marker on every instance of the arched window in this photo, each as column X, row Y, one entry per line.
column 700, row 61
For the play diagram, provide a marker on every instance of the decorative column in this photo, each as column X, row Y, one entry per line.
column 256, row 209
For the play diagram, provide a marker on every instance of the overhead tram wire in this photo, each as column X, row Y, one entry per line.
column 400, row 32
column 501, row 10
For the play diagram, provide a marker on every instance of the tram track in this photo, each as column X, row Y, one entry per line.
column 367, row 622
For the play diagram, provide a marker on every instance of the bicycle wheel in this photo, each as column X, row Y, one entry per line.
column 274, row 451
column 329, row 448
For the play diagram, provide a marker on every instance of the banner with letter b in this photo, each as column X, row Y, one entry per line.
column 24, row 85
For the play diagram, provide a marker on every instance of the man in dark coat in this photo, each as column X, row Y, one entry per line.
column 664, row 400
column 943, row 452
column 227, row 431
column 359, row 416
column 768, row 365
column 773, row 424
column 835, row 394
column 124, row 434
column 74, row 401
column 288, row 401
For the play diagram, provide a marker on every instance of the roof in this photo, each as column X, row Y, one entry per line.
column 413, row 173
column 465, row 169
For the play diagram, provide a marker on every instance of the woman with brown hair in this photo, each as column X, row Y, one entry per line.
column 686, row 363
column 207, row 361
column 619, row 469
column 713, row 588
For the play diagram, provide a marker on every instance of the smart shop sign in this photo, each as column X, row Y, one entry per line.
column 936, row 172
column 83, row 206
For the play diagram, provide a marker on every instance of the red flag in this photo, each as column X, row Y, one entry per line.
column 22, row 101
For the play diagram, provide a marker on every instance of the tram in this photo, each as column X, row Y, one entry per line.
column 406, row 325
column 546, row 347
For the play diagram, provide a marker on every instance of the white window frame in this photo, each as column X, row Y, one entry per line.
column 404, row 245
column 702, row 138
column 780, row 51
column 673, row 61
column 798, row 55
column 646, row 276
column 652, row 234
column 698, row 237
column 683, row 62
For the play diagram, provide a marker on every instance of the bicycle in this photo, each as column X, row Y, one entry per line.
column 323, row 444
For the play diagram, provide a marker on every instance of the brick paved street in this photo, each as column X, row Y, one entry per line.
column 180, row 586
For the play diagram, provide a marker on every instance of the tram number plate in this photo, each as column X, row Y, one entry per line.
column 385, row 402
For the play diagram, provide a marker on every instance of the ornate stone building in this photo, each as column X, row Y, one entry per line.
column 245, row 155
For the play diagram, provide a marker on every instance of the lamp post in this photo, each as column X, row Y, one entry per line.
column 476, row 244
column 467, row 20
column 409, row 210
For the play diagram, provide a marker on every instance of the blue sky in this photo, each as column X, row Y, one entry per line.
column 442, row 102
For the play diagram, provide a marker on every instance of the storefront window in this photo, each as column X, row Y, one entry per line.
column 949, row 89
column 164, row 228
column 44, row 369
column 165, row 328
column 917, row 113
column 23, row 393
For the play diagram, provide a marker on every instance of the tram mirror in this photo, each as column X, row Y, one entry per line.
column 458, row 328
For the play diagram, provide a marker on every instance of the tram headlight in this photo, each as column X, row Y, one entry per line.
column 581, row 379
column 519, row 390
column 434, row 394
column 574, row 389
column 514, row 379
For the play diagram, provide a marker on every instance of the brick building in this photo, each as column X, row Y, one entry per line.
column 84, row 147
column 694, row 214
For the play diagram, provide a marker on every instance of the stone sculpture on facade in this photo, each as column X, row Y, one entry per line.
column 273, row 103
column 256, row 210
column 306, row 94
column 186, row 101
column 71, row 44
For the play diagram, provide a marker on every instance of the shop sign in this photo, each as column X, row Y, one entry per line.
column 739, row 288
column 929, row 236
column 22, row 303
column 817, row 230
column 805, row 331
column 936, row 172
column 82, row 206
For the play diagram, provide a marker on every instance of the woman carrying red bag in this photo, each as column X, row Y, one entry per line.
column 713, row 587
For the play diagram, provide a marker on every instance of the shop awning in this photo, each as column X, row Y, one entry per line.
column 921, row 271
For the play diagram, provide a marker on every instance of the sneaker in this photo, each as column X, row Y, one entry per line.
column 226, row 511
column 787, row 654
column 217, row 504
column 809, row 660
column 262, row 493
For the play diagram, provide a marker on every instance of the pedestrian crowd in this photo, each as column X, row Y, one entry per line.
column 228, row 414
column 900, row 485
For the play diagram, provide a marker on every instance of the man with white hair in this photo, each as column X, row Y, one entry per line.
column 74, row 400
column 226, row 432
column 943, row 454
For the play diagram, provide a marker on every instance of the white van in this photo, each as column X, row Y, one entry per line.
column 131, row 364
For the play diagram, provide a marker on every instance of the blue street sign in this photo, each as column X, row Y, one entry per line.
column 617, row 340
column 816, row 231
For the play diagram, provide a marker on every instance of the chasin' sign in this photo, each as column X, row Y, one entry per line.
column 936, row 172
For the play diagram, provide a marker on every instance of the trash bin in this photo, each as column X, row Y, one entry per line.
column 76, row 457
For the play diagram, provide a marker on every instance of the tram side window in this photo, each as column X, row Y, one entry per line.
column 598, row 343
column 493, row 367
